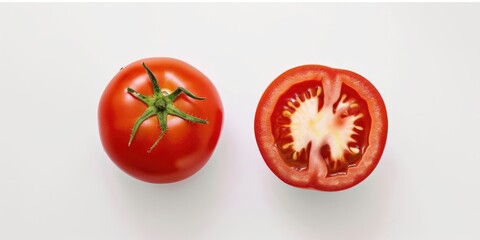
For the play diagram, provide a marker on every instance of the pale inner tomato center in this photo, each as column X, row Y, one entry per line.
column 331, row 125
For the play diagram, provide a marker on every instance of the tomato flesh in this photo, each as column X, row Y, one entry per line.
column 319, row 121
column 306, row 101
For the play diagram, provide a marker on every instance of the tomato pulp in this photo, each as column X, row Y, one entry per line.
column 160, row 119
column 321, row 128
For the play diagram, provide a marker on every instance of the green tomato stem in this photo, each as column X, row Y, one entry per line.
column 161, row 104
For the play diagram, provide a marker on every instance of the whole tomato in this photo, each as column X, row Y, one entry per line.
column 160, row 119
column 321, row 128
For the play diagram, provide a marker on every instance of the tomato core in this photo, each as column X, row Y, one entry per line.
column 305, row 129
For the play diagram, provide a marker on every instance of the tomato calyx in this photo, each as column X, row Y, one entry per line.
column 161, row 104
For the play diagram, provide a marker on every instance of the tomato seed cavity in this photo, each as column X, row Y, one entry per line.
column 303, row 126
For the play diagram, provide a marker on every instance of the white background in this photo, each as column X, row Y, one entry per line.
column 56, row 182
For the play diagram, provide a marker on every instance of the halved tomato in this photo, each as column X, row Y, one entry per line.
column 321, row 128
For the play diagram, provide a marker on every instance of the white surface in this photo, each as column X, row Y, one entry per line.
column 57, row 183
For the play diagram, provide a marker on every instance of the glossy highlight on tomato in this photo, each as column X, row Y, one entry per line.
column 321, row 128
column 160, row 119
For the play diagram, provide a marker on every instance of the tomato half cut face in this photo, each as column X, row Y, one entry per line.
column 321, row 128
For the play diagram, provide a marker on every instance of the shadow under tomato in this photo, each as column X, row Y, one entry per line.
column 359, row 211
column 182, row 209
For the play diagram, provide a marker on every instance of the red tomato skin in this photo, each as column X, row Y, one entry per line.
column 272, row 156
column 185, row 148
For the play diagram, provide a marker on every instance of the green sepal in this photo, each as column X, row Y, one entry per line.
column 150, row 111
column 153, row 80
column 172, row 96
column 162, row 119
column 174, row 111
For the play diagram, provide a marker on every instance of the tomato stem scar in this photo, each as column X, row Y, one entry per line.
column 161, row 104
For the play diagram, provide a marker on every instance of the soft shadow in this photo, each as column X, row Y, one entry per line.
column 184, row 209
column 360, row 211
